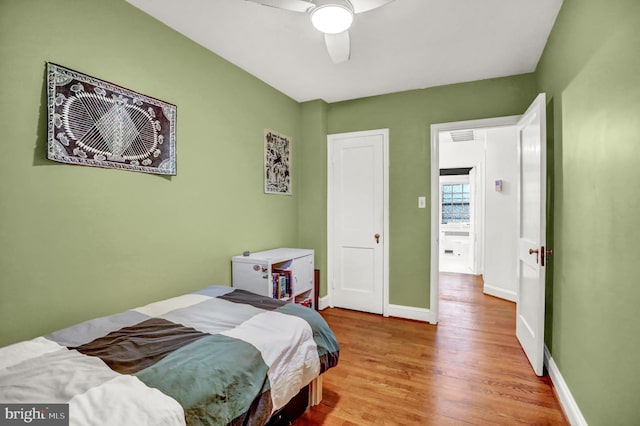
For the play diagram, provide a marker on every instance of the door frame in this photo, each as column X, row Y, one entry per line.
column 385, row 207
column 436, row 129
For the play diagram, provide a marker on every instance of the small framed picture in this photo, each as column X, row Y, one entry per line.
column 277, row 163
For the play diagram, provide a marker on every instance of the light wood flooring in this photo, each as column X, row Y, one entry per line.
column 467, row 370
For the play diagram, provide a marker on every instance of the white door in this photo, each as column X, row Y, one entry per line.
column 357, row 220
column 531, row 231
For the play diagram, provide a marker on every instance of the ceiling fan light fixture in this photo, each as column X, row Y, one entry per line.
column 332, row 18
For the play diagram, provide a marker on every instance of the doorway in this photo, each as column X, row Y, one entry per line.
column 484, row 260
column 457, row 220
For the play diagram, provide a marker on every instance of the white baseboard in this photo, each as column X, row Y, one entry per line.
column 499, row 292
column 569, row 404
column 324, row 302
column 409, row 312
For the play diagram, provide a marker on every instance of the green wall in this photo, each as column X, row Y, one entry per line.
column 591, row 73
column 80, row 242
column 408, row 116
column 312, row 220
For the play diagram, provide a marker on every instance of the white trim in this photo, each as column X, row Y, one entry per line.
column 398, row 311
column 435, row 201
column 499, row 292
column 409, row 312
column 387, row 235
column 569, row 404
column 385, row 231
column 435, row 226
column 324, row 303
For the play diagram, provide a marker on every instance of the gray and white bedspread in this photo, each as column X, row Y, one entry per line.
column 214, row 357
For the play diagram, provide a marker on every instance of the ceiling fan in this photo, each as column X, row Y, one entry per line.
column 331, row 17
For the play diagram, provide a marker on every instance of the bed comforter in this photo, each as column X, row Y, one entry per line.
column 217, row 356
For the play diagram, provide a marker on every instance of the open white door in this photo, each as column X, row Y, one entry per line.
column 357, row 220
column 531, row 231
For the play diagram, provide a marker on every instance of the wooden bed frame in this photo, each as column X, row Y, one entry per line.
column 315, row 391
column 308, row 396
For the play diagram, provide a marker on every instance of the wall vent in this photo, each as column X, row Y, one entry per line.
column 456, row 233
column 462, row 135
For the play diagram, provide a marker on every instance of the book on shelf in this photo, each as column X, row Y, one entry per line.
column 285, row 279
column 275, row 288
column 307, row 301
column 282, row 282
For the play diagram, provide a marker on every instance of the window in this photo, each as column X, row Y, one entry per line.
column 455, row 203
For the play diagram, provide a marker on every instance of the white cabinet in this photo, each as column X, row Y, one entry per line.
column 262, row 272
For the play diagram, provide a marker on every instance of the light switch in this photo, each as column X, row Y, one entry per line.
column 422, row 202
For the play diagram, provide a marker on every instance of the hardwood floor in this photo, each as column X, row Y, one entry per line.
column 467, row 370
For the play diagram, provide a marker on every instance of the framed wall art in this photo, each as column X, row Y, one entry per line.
column 277, row 163
column 95, row 123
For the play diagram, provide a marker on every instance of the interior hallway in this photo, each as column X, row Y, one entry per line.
column 467, row 370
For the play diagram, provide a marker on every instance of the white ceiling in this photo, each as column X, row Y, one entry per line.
column 405, row 45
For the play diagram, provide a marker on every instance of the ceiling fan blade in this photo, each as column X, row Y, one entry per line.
column 338, row 46
column 360, row 6
column 292, row 5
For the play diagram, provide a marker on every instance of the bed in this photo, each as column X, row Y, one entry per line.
column 217, row 356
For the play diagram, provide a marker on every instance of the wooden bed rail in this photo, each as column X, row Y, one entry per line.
column 315, row 391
